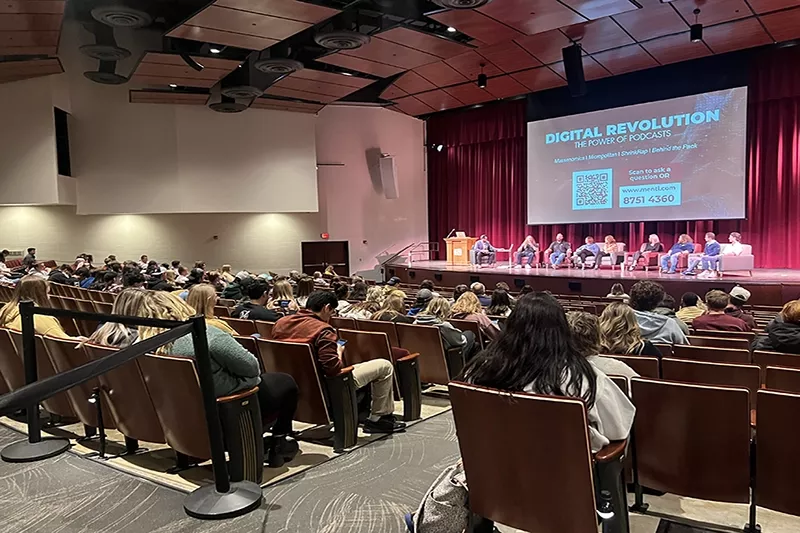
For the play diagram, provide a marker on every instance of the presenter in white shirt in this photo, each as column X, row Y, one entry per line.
column 735, row 238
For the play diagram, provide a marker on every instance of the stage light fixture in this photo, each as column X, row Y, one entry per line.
column 173, row 85
column 696, row 29
column 482, row 79
column 451, row 29
column 215, row 50
column 347, row 73
column 439, row 147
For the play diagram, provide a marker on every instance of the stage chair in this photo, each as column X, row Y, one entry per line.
column 241, row 326
column 559, row 450
column 777, row 461
column 711, row 355
column 606, row 260
column 692, row 440
column 733, row 263
column 363, row 346
column 175, row 394
column 748, row 335
column 719, row 342
column 436, row 365
column 264, row 328
column 644, row 366
column 764, row 359
column 782, row 379
column 343, row 322
column 221, row 311
column 647, row 260
column 380, row 326
column 725, row 374
column 322, row 400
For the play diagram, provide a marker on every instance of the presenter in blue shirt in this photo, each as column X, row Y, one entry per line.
column 669, row 263
column 589, row 249
column 709, row 261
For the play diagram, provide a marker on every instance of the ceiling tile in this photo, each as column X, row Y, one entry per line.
column 477, row 25
column 329, row 89
column 285, row 105
column 440, row 74
column 411, row 82
column 390, row 53
column 411, row 106
column 424, row 42
column 598, row 35
column 163, row 69
column 26, row 6
column 674, row 48
column 332, row 77
column 736, row 35
column 509, row 56
column 166, row 97
column 713, row 11
column 30, row 22
column 505, row 86
column 532, row 16
column 246, row 22
column 625, row 59
column 470, row 93
column 288, row 9
column 304, row 95
column 439, row 100
column 595, row 9
column 208, row 35
column 469, row 65
column 784, row 25
column 27, row 50
column 765, row 6
column 539, row 79
column 393, row 92
column 360, row 65
column 162, row 82
column 546, row 47
column 592, row 70
column 29, row 38
column 20, row 70
column 651, row 22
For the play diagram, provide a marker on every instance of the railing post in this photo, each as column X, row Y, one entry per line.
column 223, row 499
column 35, row 448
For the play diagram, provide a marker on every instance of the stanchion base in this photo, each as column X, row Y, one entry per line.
column 208, row 504
column 26, row 452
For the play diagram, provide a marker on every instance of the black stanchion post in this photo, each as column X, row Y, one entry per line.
column 35, row 448
column 223, row 499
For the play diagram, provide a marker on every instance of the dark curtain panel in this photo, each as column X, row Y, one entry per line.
column 477, row 183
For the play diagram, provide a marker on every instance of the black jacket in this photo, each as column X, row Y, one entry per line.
column 59, row 277
column 781, row 337
column 251, row 311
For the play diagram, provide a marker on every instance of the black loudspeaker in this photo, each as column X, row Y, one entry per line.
column 574, row 286
column 474, row 279
column 412, row 274
column 519, row 282
column 573, row 66
column 437, row 277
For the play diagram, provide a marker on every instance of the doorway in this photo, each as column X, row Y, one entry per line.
column 318, row 255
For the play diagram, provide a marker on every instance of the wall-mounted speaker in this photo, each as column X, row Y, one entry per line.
column 437, row 276
column 474, row 279
column 574, row 286
column 519, row 282
column 573, row 66
column 412, row 274
column 389, row 178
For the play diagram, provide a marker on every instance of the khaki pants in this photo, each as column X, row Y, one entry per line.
column 379, row 373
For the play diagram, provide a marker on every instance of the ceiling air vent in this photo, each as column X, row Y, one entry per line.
column 278, row 65
column 107, row 78
column 461, row 4
column 227, row 107
column 121, row 16
column 242, row 91
column 105, row 52
column 341, row 40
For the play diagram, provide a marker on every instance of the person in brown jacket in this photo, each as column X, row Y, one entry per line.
column 311, row 326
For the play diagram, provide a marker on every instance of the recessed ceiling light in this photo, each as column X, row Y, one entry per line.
column 215, row 50
column 173, row 85
column 451, row 29
column 346, row 73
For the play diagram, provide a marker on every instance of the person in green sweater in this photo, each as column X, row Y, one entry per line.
column 234, row 369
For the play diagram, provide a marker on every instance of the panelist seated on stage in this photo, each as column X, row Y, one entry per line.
column 652, row 246
column 684, row 246
column 589, row 249
column 709, row 260
column 527, row 250
column 483, row 248
column 608, row 248
column 558, row 251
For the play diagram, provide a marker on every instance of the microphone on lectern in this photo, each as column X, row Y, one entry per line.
column 451, row 232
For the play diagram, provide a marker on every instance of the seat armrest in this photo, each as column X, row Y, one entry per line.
column 237, row 396
column 611, row 452
column 409, row 357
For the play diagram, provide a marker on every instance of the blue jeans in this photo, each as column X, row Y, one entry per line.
column 522, row 255
column 670, row 262
column 707, row 262
column 557, row 259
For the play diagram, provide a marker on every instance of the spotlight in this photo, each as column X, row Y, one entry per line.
column 214, row 50
column 347, row 73
column 439, row 147
column 482, row 79
column 696, row 29
column 451, row 29
column 173, row 85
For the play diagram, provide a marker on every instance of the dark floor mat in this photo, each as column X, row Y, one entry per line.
column 668, row 526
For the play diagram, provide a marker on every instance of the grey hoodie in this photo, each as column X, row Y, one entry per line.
column 660, row 328
column 666, row 311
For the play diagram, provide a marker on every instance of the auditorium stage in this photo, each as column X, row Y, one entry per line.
column 768, row 286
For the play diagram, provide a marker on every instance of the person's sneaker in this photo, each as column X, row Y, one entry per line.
column 385, row 424
column 409, row 518
column 280, row 451
column 528, row 266
column 689, row 273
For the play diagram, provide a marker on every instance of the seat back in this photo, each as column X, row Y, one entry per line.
column 221, row 311
column 343, row 322
column 644, row 366
column 174, row 389
column 58, row 404
column 249, row 344
column 11, row 367
column 469, row 325
column 95, row 296
column 777, row 460
column 665, row 349
column 693, row 440
column 264, row 328
column 427, row 342
column 621, row 382
column 298, row 361
column 86, row 327
column 747, row 335
column 363, row 346
column 380, row 326
column 767, row 359
column 711, row 355
column 107, row 297
column 242, row 327
column 128, row 398
column 719, row 342
column 783, row 379
column 742, row 376
column 103, row 307
column 500, row 487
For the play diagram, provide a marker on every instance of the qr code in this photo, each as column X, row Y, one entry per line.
column 592, row 189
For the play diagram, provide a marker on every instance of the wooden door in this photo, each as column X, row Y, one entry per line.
column 318, row 255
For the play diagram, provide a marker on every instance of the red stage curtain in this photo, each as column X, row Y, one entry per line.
column 477, row 183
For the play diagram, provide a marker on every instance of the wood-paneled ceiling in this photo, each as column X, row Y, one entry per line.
column 29, row 35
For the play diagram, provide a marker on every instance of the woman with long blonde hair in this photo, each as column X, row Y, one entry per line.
column 436, row 314
column 620, row 335
column 35, row 289
column 653, row 246
column 282, row 299
column 128, row 303
column 609, row 247
column 393, row 310
column 202, row 298
column 364, row 310
column 468, row 307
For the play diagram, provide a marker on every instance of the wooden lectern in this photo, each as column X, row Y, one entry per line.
column 458, row 250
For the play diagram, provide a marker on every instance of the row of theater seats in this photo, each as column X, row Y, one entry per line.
column 708, row 349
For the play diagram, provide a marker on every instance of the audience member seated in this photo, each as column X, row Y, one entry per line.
column 143, row 262
column 202, row 298
column 85, row 277
column 739, row 296
column 225, row 274
column 153, row 268
column 110, row 259
column 458, row 291
column 282, row 301
column 311, row 326
column 196, row 276
column 183, row 275
column 305, row 286
column 424, row 297
column 436, row 314
column 255, row 308
column 526, row 289
column 503, row 286
column 63, row 275
column 428, row 284
column 330, row 272
column 655, row 327
column 585, row 329
column 164, row 282
column 393, row 310
column 715, row 317
column 618, row 292
column 667, row 308
column 129, row 302
column 237, row 289
column 783, row 333
column 480, row 291
column 358, row 292
column 101, row 283
column 30, row 259
column 133, row 279
column 691, row 307
column 4, row 270
column 215, row 280
column 38, row 270
column 35, row 289
column 500, row 304
column 364, row 310
column 620, row 334
column 320, row 281
column 234, row 369
column 469, row 308
column 537, row 353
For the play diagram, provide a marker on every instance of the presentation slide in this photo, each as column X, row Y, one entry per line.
column 678, row 159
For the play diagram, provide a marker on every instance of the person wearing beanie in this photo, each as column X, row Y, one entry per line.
column 739, row 296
